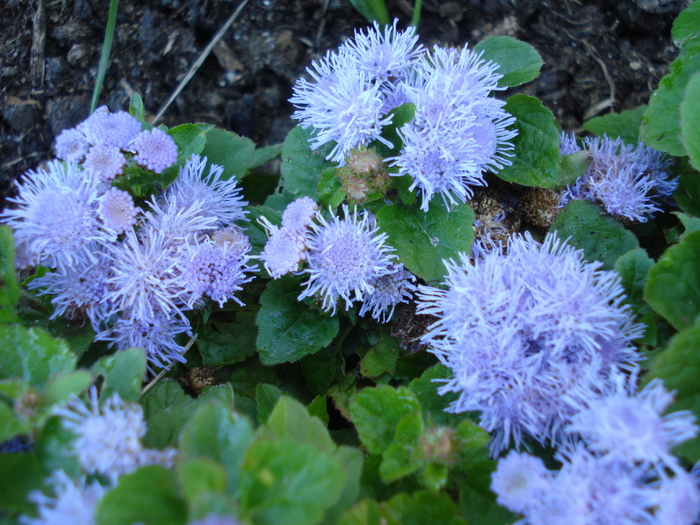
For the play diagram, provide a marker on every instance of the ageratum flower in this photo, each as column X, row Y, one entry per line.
column 154, row 150
column 389, row 290
column 108, row 438
column 73, row 502
column 156, row 335
column 71, row 145
column 56, row 217
column 215, row 271
column 284, row 250
column 532, row 336
column 218, row 198
column 628, row 181
column 458, row 130
column 104, row 162
column 110, row 129
column 632, row 427
column 345, row 256
column 79, row 290
column 299, row 213
column 117, row 210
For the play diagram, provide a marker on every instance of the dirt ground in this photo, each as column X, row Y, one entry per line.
column 599, row 55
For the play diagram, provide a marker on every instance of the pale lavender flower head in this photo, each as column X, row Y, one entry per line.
column 531, row 336
column 284, row 250
column 385, row 56
column 117, row 211
column 345, row 256
column 154, row 150
column 233, row 238
column 679, row 500
column 108, row 438
column 71, row 145
column 519, row 481
column 73, row 502
column 176, row 225
column 79, row 290
column 628, row 181
column 156, row 335
column 299, row 214
column 145, row 278
column 458, row 130
column 110, row 129
column 344, row 108
column 104, row 162
column 632, row 427
column 56, row 216
column 218, row 198
column 389, row 290
column 215, row 271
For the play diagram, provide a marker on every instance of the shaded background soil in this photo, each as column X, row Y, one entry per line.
column 600, row 56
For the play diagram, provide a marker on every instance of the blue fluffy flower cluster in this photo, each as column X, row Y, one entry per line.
column 344, row 258
column 132, row 272
column 459, row 129
column 532, row 336
column 629, row 181
column 617, row 468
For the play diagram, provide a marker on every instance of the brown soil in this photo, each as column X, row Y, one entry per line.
column 599, row 56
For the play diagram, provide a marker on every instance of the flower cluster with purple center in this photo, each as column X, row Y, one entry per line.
column 629, row 181
column 459, row 129
column 132, row 272
column 344, row 258
column 540, row 343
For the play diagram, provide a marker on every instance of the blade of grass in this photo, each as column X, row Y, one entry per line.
column 106, row 50
column 417, row 7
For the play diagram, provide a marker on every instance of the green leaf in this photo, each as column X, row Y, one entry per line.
column 624, row 125
column 425, row 507
column 322, row 368
column 686, row 27
column 229, row 150
column 690, row 120
column 376, row 413
column 634, row 267
column 284, row 481
column 123, row 373
column 399, row 116
column 368, row 512
column 673, row 288
column 164, row 425
column 9, row 289
column 10, row 426
column 536, row 161
column 136, row 108
column 216, row 433
column 264, row 154
column 55, row 449
column 32, row 354
column 164, row 394
column 690, row 224
column 573, row 166
column 288, row 329
column 60, row 387
column 688, row 193
column 301, row 167
column 404, row 456
column 519, row 62
column 679, row 367
column 149, row 495
column 199, row 476
column 381, row 358
column 478, row 505
column 435, row 476
column 330, row 189
column 266, row 397
column 19, row 475
column 600, row 237
column 423, row 239
column 661, row 121
column 291, row 420
column 228, row 343
column 190, row 139
column 432, row 403
column 372, row 10
column 352, row 460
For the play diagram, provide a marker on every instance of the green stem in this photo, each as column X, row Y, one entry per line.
column 106, row 49
column 417, row 7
